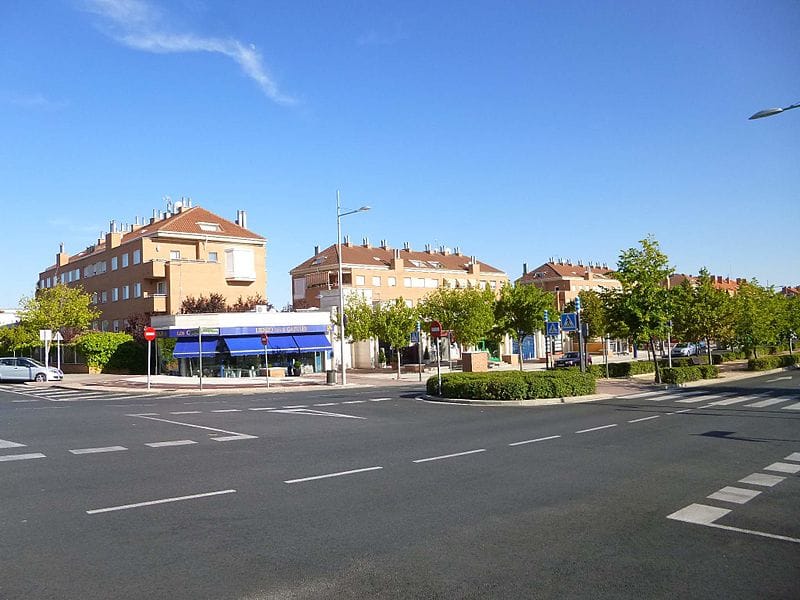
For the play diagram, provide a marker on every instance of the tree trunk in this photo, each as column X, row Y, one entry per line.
column 519, row 348
column 708, row 350
column 398, row 364
column 655, row 360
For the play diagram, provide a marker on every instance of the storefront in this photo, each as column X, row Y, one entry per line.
column 232, row 344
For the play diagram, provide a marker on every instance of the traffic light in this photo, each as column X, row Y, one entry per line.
column 577, row 303
column 546, row 316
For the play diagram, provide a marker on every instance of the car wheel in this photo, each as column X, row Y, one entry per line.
column 40, row 377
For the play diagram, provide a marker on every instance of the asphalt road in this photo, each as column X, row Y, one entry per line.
column 373, row 493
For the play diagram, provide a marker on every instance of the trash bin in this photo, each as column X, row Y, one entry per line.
column 331, row 377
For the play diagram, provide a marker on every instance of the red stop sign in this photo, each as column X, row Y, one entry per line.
column 436, row 329
column 149, row 334
column 264, row 339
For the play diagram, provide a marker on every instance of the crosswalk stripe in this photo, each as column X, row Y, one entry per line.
column 762, row 479
column 10, row 444
column 734, row 494
column 694, row 399
column 640, row 395
column 98, row 450
column 10, row 457
column 734, row 400
column 767, row 402
column 792, row 407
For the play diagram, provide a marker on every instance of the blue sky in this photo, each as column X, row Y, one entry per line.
column 516, row 130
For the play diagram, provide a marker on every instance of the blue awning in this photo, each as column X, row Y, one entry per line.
column 244, row 345
column 312, row 342
column 190, row 348
column 281, row 343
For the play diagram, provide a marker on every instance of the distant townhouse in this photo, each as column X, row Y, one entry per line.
column 382, row 273
column 726, row 284
column 153, row 266
column 566, row 280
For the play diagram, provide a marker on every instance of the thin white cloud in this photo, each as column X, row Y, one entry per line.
column 138, row 25
column 35, row 101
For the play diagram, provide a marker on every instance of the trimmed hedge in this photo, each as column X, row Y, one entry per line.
column 514, row 385
column 727, row 356
column 765, row 363
column 693, row 373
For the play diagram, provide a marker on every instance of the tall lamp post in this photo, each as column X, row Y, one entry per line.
column 768, row 112
column 339, row 215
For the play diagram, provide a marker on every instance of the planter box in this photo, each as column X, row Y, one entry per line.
column 475, row 362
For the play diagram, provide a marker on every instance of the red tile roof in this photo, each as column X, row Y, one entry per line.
column 372, row 256
column 553, row 270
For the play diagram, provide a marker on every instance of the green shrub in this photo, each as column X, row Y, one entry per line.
column 677, row 375
column 598, row 370
column 708, row 371
column 514, row 385
column 765, row 363
column 727, row 356
column 112, row 351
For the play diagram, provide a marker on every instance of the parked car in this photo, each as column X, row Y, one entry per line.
column 571, row 359
column 685, row 349
column 26, row 369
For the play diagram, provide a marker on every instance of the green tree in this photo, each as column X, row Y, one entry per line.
column 756, row 318
column 59, row 308
column 519, row 311
column 359, row 318
column 214, row 303
column 17, row 337
column 792, row 308
column 642, row 303
column 594, row 313
column 394, row 322
column 701, row 311
column 468, row 313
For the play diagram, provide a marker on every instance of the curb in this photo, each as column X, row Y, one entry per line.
column 533, row 402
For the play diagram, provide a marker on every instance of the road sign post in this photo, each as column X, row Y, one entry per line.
column 419, row 348
column 45, row 335
column 436, row 333
column 265, row 341
column 58, row 339
column 149, row 335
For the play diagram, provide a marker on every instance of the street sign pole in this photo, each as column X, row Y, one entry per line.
column 581, row 341
column 546, row 341
column 200, row 348
column 436, row 334
column 149, row 344
column 605, row 352
column 265, row 341
column 419, row 348
column 149, row 335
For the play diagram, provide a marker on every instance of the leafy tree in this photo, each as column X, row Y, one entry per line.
column 393, row 323
column 468, row 313
column 701, row 311
column 135, row 324
column 214, row 303
column 59, row 308
column 359, row 319
column 755, row 309
column 642, row 305
column 519, row 311
column 17, row 337
column 103, row 349
column 594, row 313
column 248, row 304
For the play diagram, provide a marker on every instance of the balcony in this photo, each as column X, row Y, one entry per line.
column 155, row 303
column 154, row 269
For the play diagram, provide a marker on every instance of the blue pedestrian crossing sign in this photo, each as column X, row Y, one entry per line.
column 569, row 322
column 553, row 328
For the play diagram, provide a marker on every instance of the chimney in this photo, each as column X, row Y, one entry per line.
column 316, row 250
column 241, row 219
column 428, row 248
column 407, row 246
column 396, row 253
column 365, row 242
column 524, row 268
column 347, row 241
column 384, row 245
column 62, row 257
column 457, row 250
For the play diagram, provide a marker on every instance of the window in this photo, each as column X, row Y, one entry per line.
column 103, row 297
column 137, row 290
column 161, row 288
column 376, row 281
column 104, row 326
column 126, row 292
column 406, row 281
column 360, row 280
column 391, row 281
column 115, row 325
column 94, row 297
column 114, row 263
column 419, row 282
column 299, row 287
column 213, row 257
column 137, row 257
column 124, row 260
column 77, row 275
column 175, row 254
column 114, row 295
column 209, row 226
column 48, row 282
column 409, row 303
column 431, row 283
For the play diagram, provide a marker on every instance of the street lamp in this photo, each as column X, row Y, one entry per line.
column 768, row 112
column 339, row 215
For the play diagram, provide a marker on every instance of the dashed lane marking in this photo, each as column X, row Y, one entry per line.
column 186, row 412
column 9, row 444
column 733, row 494
column 679, row 412
column 445, row 456
column 327, row 404
column 378, row 399
column 762, row 479
column 98, row 450
column 328, row 475
column 296, row 406
column 596, row 428
column 354, row 402
column 10, row 457
column 233, row 438
column 644, row 419
column 96, row 511
column 170, row 443
column 227, row 410
column 782, row 467
column 541, row 439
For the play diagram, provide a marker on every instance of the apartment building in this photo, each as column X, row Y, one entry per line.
column 383, row 273
column 566, row 280
column 726, row 284
column 153, row 265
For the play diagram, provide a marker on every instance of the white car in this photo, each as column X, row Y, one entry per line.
column 26, row 369
column 685, row 349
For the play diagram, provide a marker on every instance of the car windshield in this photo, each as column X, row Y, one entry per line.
column 571, row 355
column 31, row 362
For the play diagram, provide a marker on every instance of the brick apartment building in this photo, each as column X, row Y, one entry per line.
column 153, row 266
column 383, row 273
column 726, row 284
column 566, row 280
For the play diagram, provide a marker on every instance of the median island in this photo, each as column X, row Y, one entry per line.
column 513, row 385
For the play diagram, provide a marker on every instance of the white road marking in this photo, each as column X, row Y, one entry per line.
column 793, row 456
column 422, row 460
column 778, row 379
column 640, row 395
column 768, row 402
column 694, row 399
column 231, row 438
column 678, row 412
column 734, row 400
column 541, row 439
column 262, row 408
column 172, row 443
column 596, row 428
column 644, row 419
column 144, row 415
column 734, row 494
column 227, row 410
column 189, row 425
column 354, row 402
column 699, row 513
column 27, row 400
column 186, row 412
column 327, row 404
column 162, row 501
column 668, row 397
column 315, row 413
column 762, row 479
column 792, row 407
column 296, row 406
column 378, row 399
column 98, row 450
column 10, row 457
column 781, row 467
column 10, row 444
column 339, row 474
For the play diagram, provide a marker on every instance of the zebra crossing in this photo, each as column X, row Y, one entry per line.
column 57, row 394
column 784, row 401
